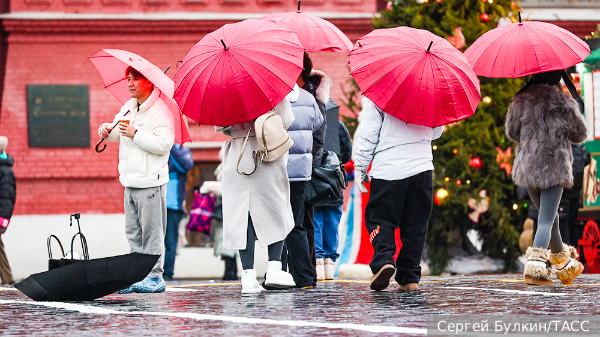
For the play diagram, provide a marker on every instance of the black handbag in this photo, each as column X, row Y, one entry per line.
column 327, row 183
column 64, row 261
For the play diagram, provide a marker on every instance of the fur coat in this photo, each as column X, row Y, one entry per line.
column 545, row 122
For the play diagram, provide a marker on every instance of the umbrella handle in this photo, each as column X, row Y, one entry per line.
column 84, row 248
column 98, row 149
column 50, row 248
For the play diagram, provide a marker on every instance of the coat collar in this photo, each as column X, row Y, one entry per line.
column 154, row 96
column 294, row 94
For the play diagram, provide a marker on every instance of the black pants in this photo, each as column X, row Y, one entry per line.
column 405, row 204
column 297, row 243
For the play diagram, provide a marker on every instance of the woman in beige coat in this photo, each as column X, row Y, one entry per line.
column 256, row 206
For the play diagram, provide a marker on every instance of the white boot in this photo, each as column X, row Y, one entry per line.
column 249, row 283
column 329, row 269
column 320, row 269
column 278, row 278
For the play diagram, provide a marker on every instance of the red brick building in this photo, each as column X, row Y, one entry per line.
column 47, row 42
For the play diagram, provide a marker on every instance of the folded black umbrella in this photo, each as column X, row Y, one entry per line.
column 86, row 280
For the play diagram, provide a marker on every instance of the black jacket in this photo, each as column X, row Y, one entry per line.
column 345, row 144
column 8, row 187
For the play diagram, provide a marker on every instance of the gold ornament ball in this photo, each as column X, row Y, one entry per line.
column 487, row 100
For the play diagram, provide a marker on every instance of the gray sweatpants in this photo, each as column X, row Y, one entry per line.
column 146, row 222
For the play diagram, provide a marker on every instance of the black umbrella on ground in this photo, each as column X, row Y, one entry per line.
column 86, row 280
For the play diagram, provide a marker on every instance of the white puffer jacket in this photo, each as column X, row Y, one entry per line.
column 143, row 160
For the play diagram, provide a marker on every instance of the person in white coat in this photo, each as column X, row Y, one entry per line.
column 401, row 193
column 145, row 141
column 256, row 206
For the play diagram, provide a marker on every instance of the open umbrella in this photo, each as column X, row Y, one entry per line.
column 112, row 63
column 86, row 280
column 415, row 76
column 315, row 34
column 524, row 48
column 238, row 72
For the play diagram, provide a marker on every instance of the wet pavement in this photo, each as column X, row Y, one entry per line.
column 337, row 308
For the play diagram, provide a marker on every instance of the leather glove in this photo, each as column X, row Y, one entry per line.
column 360, row 176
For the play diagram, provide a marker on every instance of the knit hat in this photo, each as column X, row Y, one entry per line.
column 3, row 143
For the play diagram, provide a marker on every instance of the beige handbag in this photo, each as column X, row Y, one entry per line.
column 272, row 138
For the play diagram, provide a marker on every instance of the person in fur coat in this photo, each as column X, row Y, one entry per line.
column 545, row 121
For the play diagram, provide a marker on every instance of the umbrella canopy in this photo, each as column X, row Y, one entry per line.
column 112, row 63
column 86, row 280
column 415, row 76
column 238, row 72
column 525, row 48
column 315, row 34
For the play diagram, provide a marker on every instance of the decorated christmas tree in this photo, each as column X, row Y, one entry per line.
column 474, row 191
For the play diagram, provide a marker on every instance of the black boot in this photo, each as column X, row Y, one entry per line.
column 230, row 269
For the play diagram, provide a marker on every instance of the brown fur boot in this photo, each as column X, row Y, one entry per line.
column 566, row 264
column 536, row 271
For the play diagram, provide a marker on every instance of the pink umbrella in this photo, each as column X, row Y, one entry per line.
column 112, row 63
column 524, row 48
column 415, row 76
column 314, row 33
column 238, row 72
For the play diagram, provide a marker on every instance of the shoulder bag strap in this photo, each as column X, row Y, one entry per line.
column 242, row 153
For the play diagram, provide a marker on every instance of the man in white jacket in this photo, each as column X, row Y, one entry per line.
column 401, row 193
column 144, row 146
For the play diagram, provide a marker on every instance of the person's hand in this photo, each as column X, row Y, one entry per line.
column 360, row 176
column 104, row 130
column 127, row 130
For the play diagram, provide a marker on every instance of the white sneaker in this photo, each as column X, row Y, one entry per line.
column 329, row 269
column 278, row 278
column 320, row 269
column 249, row 283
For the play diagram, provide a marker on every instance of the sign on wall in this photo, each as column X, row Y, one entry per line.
column 58, row 115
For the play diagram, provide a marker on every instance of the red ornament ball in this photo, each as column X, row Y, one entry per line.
column 389, row 6
column 476, row 163
column 484, row 17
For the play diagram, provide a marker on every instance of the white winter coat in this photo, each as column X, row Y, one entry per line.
column 265, row 194
column 143, row 159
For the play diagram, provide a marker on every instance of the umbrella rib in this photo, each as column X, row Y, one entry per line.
column 261, row 77
column 115, row 82
column 506, row 36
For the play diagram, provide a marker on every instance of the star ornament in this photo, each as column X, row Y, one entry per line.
column 479, row 206
column 503, row 159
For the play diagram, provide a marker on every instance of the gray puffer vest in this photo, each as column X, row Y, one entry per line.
column 308, row 119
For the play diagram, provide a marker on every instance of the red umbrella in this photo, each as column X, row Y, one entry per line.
column 238, row 72
column 415, row 76
column 524, row 48
column 112, row 63
column 314, row 33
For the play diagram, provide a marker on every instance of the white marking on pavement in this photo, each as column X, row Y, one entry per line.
column 523, row 292
column 103, row 311
column 181, row 289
